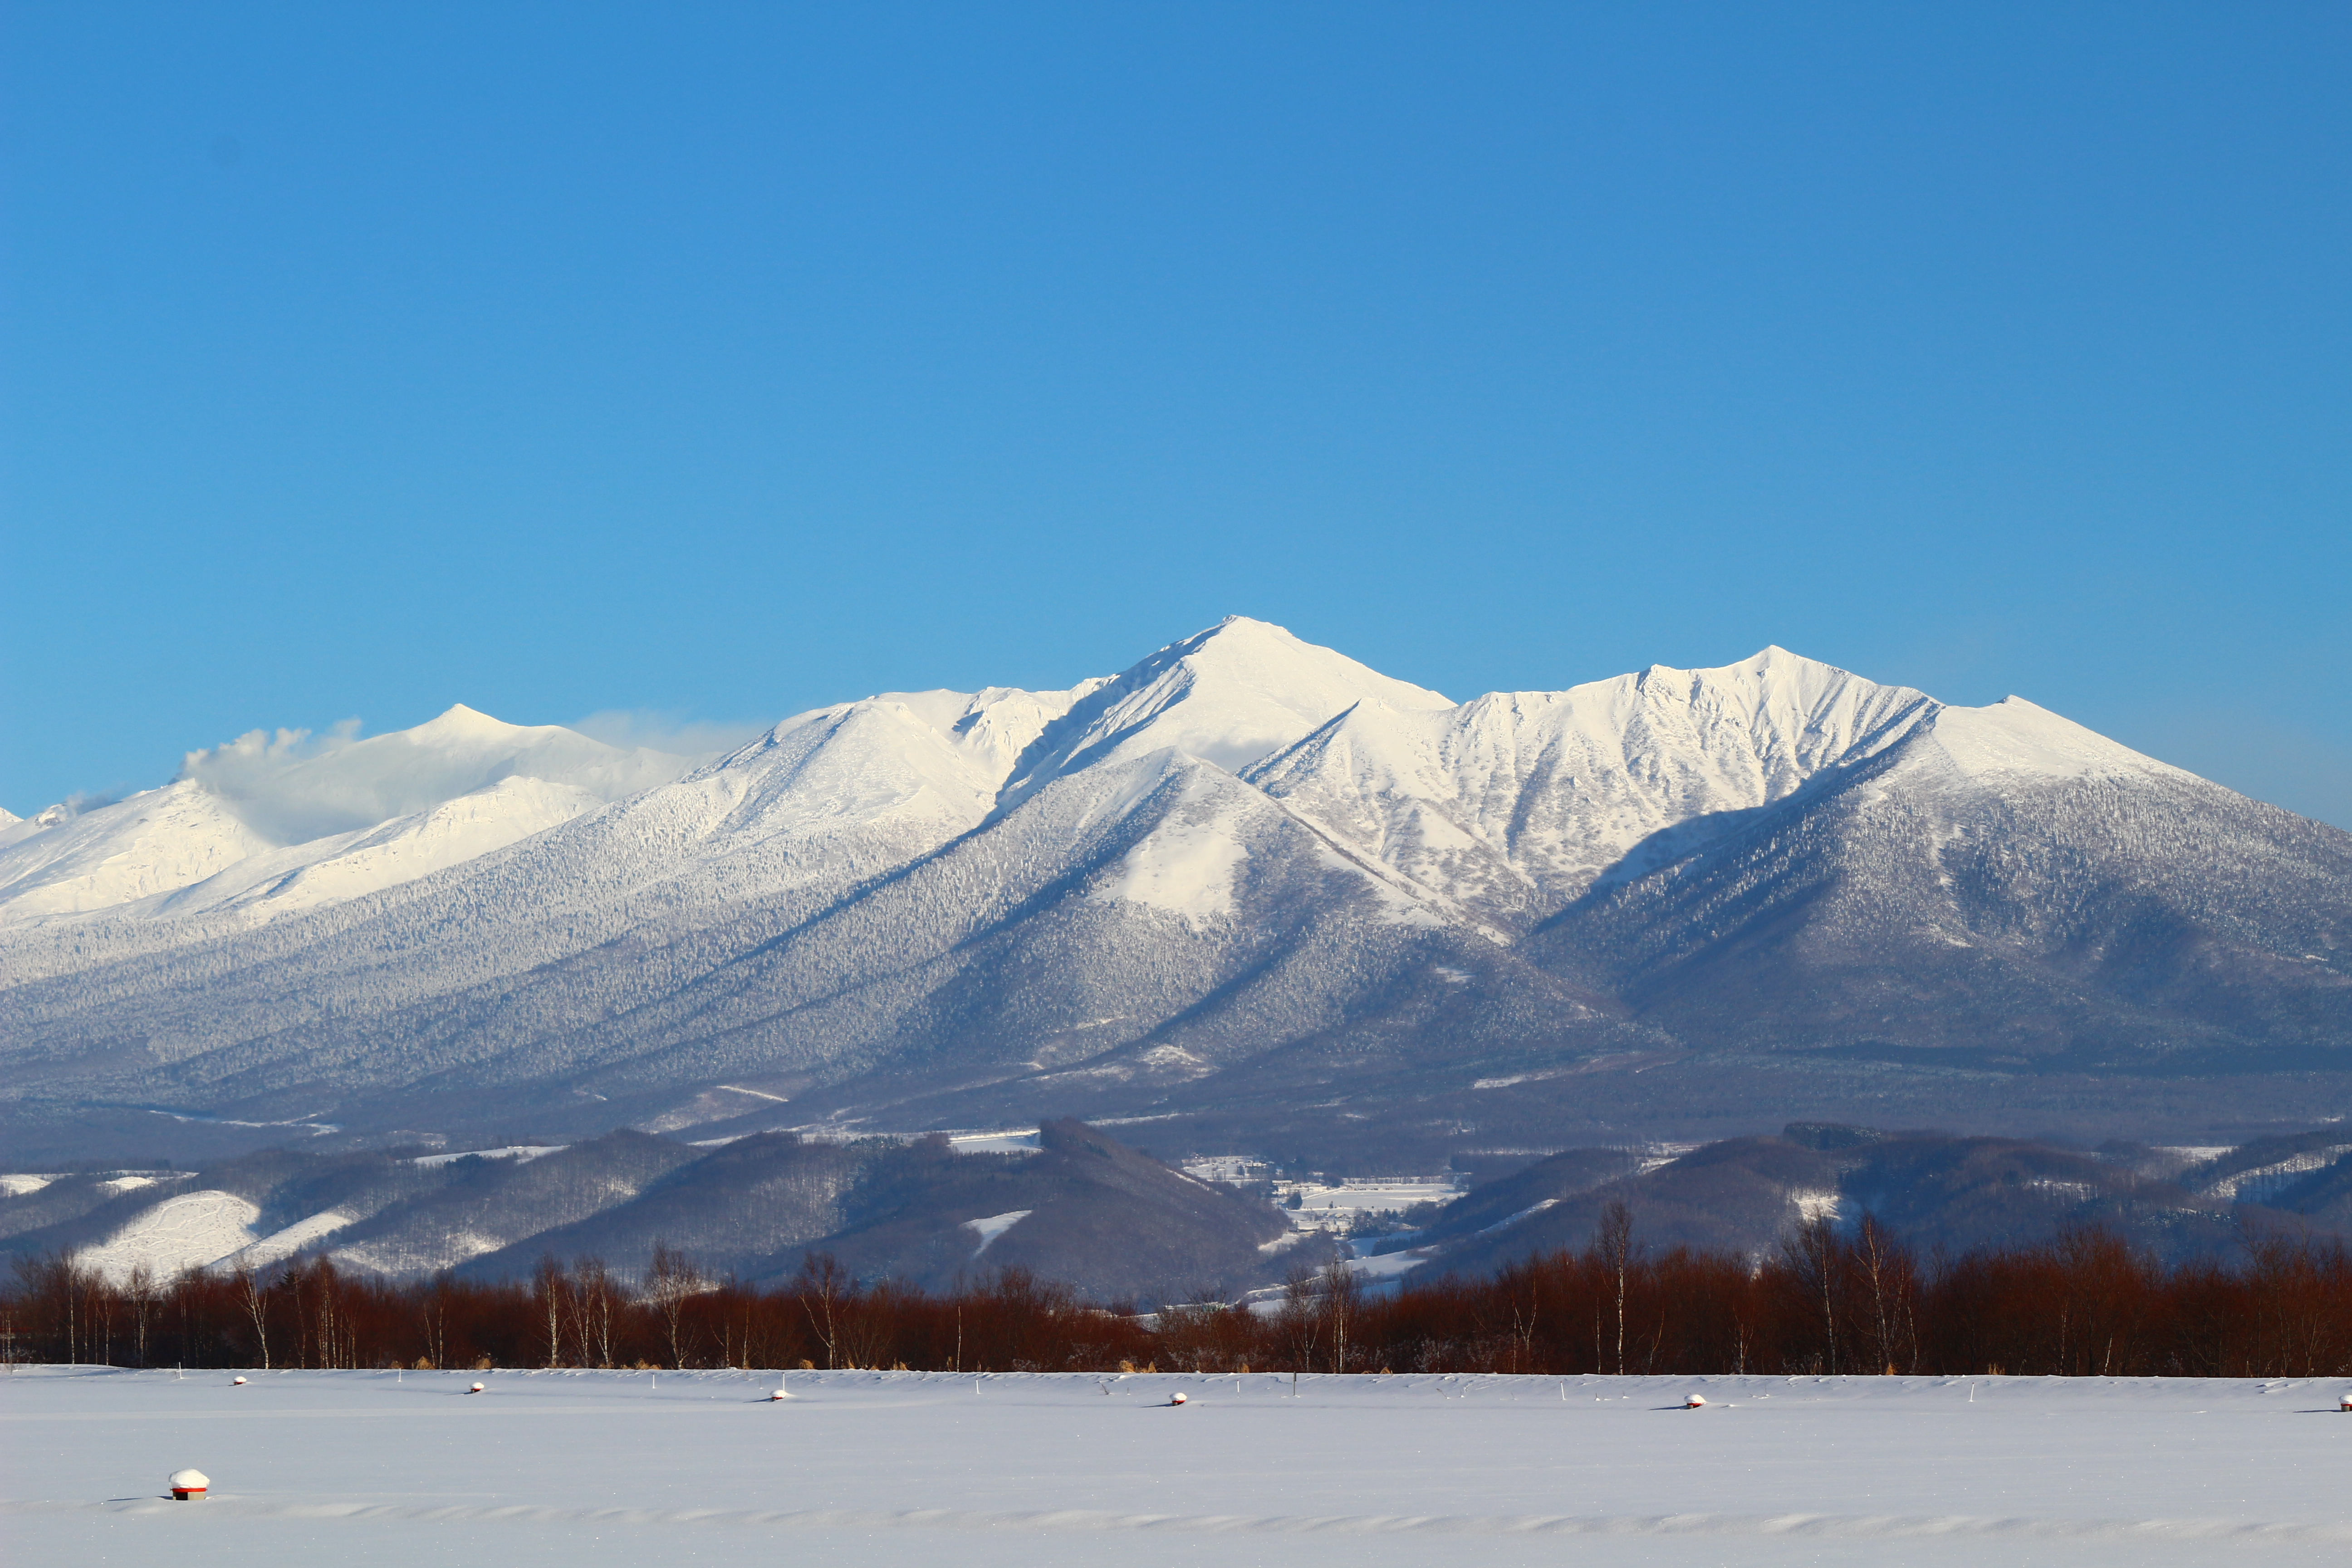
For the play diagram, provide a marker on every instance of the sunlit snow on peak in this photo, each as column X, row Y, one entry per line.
column 2014, row 736
column 1231, row 695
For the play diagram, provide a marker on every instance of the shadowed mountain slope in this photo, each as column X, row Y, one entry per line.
column 1943, row 1194
column 1083, row 1210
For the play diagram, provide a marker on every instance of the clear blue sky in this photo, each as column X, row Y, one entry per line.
column 722, row 360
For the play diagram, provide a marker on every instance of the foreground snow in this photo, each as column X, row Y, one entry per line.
column 862, row 1467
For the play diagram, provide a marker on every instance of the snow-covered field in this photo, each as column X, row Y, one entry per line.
column 584, row 1469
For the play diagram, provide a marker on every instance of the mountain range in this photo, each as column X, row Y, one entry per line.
column 1068, row 1203
column 1249, row 894
column 1062, row 1202
column 1946, row 1195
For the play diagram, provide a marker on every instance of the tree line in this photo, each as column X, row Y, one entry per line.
column 1828, row 1299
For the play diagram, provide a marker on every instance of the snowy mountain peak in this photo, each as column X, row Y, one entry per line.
column 1772, row 672
column 1231, row 695
column 984, row 730
column 456, row 721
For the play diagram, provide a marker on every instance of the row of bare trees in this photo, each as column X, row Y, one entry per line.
column 1830, row 1299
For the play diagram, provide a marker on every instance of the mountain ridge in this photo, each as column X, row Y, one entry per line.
column 1241, row 878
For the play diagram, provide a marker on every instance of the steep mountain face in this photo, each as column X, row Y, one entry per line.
column 1249, row 887
column 2004, row 887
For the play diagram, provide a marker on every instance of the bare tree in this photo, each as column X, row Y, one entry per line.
column 823, row 1287
column 593, row 1292
column 255, row 1297
column 549, row 1286
column 435, row 1311
column 1342, row 1290
column 58, row 1287
column 141, row 1291
column 1884, row 1265
column 671, row 1281
column 101, row 1294
column 1523, row 1323
column 1613, row 1248
column 1815, row 1262
column 1301, row 1323
column 330, row 1325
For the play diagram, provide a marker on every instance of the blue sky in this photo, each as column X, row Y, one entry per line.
column 719, row 362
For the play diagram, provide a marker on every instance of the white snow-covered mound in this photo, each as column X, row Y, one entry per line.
column 188, row 1230
column 858, row 1468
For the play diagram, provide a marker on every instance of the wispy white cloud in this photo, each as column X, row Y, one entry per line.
column 260, row 752
column 263, row 778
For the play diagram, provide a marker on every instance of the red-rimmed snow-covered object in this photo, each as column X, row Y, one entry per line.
column 190, row 1486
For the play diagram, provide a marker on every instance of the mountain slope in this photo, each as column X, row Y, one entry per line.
column 1083, row 1210
column 1228, row 696
column 1939, row 1193
column 2004, row 885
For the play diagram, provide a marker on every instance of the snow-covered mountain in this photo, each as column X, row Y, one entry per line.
column 265, row 827
column 1518, row 802
column 1246, row 884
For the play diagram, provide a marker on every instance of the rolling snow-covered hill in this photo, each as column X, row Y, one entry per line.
column 1248, row 887
column 1063, row 1203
